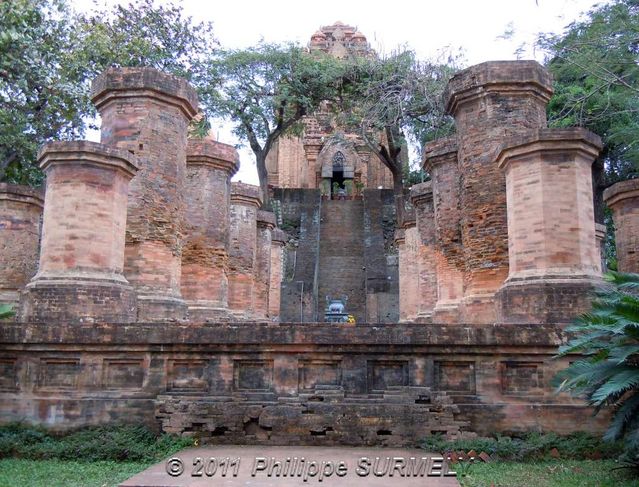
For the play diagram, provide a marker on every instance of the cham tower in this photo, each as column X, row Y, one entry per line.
column 326, row 154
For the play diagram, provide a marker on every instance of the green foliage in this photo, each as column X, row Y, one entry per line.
column 59, row 473
column 113, row 443
column 528, row 447
column 6, row 311
column 265, row 91
column 608, row 374
column 549, row 473
column 348, row 186
column 50, row 55
column 595, row 65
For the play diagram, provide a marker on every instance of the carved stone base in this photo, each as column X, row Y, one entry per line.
column 80, row 301
column 545, row 300
column 154, row 308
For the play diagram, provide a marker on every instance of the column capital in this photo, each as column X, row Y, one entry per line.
column 87, row 153
column 621, row 191
column 439, row 152
column 528, row 78
column 144, row 82
column 22, row 194
column 246, row 194
column 421, row 194
column 265, row 219
column 208, row 152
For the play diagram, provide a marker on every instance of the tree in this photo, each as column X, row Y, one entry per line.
column 608, row 375
column 595, row 65
column 50, row 55
column 392, row 100
column 266, row 90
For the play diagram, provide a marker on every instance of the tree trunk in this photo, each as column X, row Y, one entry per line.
column 262, row 173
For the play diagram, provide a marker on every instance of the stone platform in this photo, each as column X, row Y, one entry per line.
column 246, row 465
column 290, row 384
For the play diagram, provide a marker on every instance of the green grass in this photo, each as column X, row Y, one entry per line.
column 61, row 473
column 555, row 473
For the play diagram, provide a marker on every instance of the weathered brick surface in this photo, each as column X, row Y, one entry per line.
column 261, row 287
column 551, row 227
column 278, row 241
column 426, row 259
column 232, row 383
column 81, row 259
column 20, row 214
column 408, row 242
column 245, row 201
column 204, row 282
column 440, row 160
column 147, row 113
column 490, row 101
column 623, row 199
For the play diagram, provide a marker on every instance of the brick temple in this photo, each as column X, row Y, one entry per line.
column 151, row 289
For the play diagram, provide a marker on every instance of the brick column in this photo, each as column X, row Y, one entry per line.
column 245, row 201
column 408, row 242
column 278, row 240
column 20, row 214
column 210, row 166
column 440, row 160
column 80, row 276
column 600, row 235
column 265, row 225
column 422, row 198
column 554, row 259
column 623, row 199
column 147, row 113
column 490, row 101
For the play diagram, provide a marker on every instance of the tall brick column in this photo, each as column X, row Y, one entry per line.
column 265, row 226
column 245, row 201
column 440, row 160
column 147, row 113
column 554, row 259
column 422, row 199
column 210, row 166
column 490, row 101
column 80, row 276
column 278, row 240
column 408, row 242
column 623, row 199
column 20, row 214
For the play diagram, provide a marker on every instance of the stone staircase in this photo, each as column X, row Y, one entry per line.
column 341, row 261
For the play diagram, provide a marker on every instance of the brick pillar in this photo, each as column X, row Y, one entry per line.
column 245, row 201
column 600, row 235
column 408, row 242
column 554, row 259
column 147, row 113
column 20, row 214
column 210, row 166
column 440, row 160
column 422, row 199
column 623, row 199
column 278, row 240
column 80, row 276
column 490, row 101
column 265, row 226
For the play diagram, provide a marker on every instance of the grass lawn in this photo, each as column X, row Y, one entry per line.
column 553, row 473
column 61, row 473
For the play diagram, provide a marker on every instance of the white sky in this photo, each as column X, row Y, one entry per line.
column 426, row 26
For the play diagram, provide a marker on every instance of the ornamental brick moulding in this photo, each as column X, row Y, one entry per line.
column 245, row 201
column 490, row 101
column 440, row 161
column 421, row 196
column 147, row 112
column 554, row 258
column 623, row 199
column 204, row 282
column 80, row 276
column 20, row 215
column 265, row 226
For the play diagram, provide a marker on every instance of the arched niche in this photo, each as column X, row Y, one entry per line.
column 340, row 157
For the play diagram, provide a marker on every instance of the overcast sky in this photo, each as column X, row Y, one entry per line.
column 475, row 26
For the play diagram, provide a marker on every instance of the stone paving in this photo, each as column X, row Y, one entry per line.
column 295, row 466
